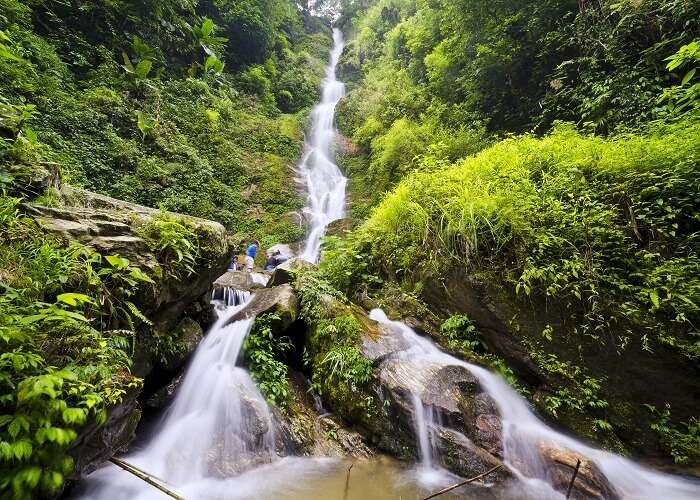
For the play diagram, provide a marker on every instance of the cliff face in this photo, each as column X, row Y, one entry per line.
column 171, row 298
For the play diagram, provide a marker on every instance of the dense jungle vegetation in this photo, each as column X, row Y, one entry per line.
column 548, row 151
column 191, row 106
column 196, row 107
column 543, row 153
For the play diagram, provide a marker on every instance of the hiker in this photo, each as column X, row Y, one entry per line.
column 250, row 255
column 234, row 265
column 275, row 260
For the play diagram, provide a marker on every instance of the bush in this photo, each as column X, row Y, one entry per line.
column 608, row 225
column 67, row 327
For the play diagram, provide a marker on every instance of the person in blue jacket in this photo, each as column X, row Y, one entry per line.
column 250, row 255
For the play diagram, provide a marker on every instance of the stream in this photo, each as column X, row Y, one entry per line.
column 218, row 439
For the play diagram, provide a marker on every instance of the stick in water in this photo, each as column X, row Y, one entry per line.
column 144, row 477
column 347, row 481
column 573, row 478
column 455, row 486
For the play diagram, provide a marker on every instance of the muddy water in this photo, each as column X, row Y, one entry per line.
column 327, row 479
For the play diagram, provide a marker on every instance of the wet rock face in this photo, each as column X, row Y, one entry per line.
column 465, row 426
column 307, row 429
column 165, row 395
column 188, row 334
column 97, row 443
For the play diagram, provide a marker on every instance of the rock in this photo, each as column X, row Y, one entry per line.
column 97, row 443
column 187, row 334
column 590, row 482
column 280, row 300
column 304, row 432
column 339, row 227
column 110, row 226
column 162, row 398
column 284, row 273
column 35, row 180
column 239, row 280
column 461, row 416
column 507, row 322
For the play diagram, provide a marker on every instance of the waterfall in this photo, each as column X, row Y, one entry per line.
column 423, row 423
column 325, row 183
column 523, row 432
column 218, row 425
column 228, row 296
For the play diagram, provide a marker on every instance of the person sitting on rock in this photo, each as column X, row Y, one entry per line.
column 250, row 255
column 234, row 265
column 274, row 261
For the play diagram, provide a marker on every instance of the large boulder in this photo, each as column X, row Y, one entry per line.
column 280, row 300
column 241, row 280
column 97, row 443
column 307, row 429
column 111, row 227
column 339, row 227
column 284, row 273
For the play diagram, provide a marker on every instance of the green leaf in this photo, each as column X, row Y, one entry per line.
column 116, row 261
column 143, row 68
column 22, row 449
column 139, row 275
column 72, row 299
column 654, row 296
column 690, row 74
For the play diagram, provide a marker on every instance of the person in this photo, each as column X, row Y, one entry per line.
column 234, row 265
column 250, row 255
column 274, row 261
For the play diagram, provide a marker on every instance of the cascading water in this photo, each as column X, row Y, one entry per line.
column 325, row 183
column 523, row 432
column 218, row 425
column 229, row 296
column 423, row 423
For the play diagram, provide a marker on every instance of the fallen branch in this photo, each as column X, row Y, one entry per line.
column 347, row 481
column 573, row 478
column 144, row 477
column 455, row 486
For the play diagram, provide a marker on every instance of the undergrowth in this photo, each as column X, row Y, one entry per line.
column 67, row 327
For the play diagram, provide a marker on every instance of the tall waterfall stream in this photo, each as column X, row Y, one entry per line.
column 217, row 440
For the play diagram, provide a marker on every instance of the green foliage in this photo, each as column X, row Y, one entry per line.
column 66, row 325
column 134, row 100
column 461, row 333
column 685, row 97
column 456, row 72
column 175, row 241
column 263, row 351
column 335, row 357
column 345, row 267
column 577, row 391
column 607, row 227
column 683, row 441
column 344, row 361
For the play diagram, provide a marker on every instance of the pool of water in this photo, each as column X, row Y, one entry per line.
column 296, row 478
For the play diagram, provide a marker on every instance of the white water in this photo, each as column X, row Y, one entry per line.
column 523, row 431
column 325, row 183
column 218, row 425
column 229, row 296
